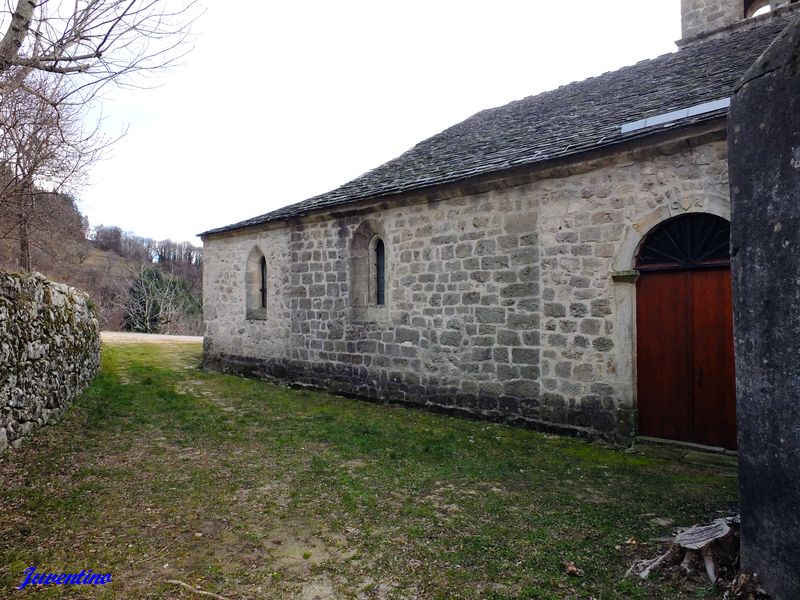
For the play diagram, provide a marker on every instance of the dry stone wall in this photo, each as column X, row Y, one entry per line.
column 49, row 352
column 500, row 303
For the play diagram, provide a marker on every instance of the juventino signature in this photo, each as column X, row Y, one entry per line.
column 82, row 578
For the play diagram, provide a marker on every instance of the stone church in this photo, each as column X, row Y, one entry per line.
column 560, row 262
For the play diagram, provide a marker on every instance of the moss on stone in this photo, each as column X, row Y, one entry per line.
column 50, row 348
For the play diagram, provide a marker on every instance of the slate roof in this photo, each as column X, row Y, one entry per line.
column 572, row 119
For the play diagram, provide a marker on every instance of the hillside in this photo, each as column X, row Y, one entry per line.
column 136, row 283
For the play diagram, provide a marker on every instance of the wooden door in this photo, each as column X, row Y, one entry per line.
column 685, row 357
column 685, row 366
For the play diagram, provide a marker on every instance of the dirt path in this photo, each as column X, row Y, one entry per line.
column 122, row 337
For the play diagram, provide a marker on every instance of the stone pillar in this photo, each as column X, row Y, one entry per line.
column 764, row 160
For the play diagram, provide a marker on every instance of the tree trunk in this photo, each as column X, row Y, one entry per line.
column 16, row 32
column 24, row 245
column 27, row 210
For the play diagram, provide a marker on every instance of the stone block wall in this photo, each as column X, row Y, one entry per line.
column 225, row 301
column 765, row 234
column 49, row 352
column 590, row 224
column 702, row 16
column 500, row 301
column 460, row 328
column 702, row 19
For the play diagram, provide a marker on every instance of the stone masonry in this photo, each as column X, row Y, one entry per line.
column 765, row 235
column 703, row 17
column 508, row 299
column 49, row 352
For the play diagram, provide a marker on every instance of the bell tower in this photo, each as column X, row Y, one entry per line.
column 702, row 17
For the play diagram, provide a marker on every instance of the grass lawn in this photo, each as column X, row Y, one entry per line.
column 163, row 472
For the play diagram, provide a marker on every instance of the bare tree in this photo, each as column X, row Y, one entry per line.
column 44, row 149
column 55, row 58
column 55, row 231
column 156, row 302
column 91, row 42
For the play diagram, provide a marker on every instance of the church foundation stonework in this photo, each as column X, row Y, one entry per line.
column 765, row 236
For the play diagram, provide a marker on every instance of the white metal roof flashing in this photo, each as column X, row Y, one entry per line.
column 677, row 115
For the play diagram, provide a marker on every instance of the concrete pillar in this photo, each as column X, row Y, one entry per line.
column 764, row 160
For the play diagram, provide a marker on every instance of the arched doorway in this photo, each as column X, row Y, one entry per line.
column 684, row 318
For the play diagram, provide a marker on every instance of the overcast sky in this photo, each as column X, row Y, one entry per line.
column 285, row 100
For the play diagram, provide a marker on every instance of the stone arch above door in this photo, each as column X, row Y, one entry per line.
column 625, row 261
column 624, row 275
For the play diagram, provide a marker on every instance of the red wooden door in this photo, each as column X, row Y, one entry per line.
column 685, row 367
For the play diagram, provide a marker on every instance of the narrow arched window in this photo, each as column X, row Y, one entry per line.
column 369, row 297
column 380, row 273
column 263, row 288
column 256, row 285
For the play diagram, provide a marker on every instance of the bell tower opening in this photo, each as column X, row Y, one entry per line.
column 703, row 17
column 756, row 8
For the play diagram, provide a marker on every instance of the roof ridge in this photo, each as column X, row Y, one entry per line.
column 564, row 121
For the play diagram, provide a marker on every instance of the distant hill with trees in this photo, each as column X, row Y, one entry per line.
column 56, row 60
column 136, row 283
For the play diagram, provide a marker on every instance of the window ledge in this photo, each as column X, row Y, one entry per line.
column 256, row 314
column 369, row 314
